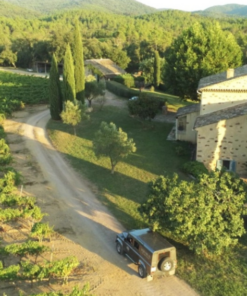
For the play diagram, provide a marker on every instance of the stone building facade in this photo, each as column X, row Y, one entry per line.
column 221, row 124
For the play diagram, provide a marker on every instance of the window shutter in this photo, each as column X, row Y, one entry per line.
column 233, row 166
column 219, row 165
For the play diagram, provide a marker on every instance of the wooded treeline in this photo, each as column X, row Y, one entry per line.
column 127, row 40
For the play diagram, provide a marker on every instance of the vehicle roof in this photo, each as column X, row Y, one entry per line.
column 151, row 240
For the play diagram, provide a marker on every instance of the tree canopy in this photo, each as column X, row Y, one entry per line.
column 77, row 49
column 73, row 113
column 68, row 76
column 201, row 50
column 145, row 106
column 54, row 91
column 206, row 215
column 93, row 89
column 112, row 142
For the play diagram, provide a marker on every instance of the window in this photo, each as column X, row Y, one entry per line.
column 229, row 165
column 182, row 123
column 136, row 245
column 129, row 239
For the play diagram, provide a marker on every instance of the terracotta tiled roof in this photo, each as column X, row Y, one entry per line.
column 216, row 116
column 221, row 77
column 188, row 109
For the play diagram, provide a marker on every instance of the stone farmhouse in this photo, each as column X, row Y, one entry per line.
column 218, row 125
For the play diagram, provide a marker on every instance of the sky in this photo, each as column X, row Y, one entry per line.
column 189, row 5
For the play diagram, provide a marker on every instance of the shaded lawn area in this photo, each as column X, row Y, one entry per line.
column 124, row 191
column 173, row 102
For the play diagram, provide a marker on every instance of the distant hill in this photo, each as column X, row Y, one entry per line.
column 221, row 10
column 11, row 11
column 130, row 7
column 225, row 10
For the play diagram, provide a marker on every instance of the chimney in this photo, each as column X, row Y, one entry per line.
column 229, row 73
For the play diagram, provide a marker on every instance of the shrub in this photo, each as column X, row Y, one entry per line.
column 7, row 183
column 195, row 168
column 41, row 230
column 5, row 156
column 182, row 149
column 18, row 178
column 125, row 79
column 145, row 107
column 121, row 90
column 2, row 118
column 2, row 133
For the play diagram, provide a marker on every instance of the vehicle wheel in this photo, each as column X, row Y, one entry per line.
column 142, row 271
column 119, row 248
column 166, row 264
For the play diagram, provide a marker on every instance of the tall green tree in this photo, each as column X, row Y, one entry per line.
column 156, row 69
column 93, row 90
column 201, row 50
column 112, row 142
column 77, row 50
column 206, row 215
column 68, row 76
column 74, row 113
column 54, row 90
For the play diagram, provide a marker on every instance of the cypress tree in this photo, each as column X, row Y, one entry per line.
column 156, row 69
column 68, row 76
column 79, row 64
column 54, row 90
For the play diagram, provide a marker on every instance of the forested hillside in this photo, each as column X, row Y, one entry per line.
column 127, row 40
column 117, row 6
column 9, row 10
column 229, row 9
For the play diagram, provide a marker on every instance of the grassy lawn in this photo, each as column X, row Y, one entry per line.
column 173, row 102
column 124, row 191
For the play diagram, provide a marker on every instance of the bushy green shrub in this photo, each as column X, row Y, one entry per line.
column 195, row 168
column 182, row 149
column 5, row 155
column 126, row 79
column 7, row 106
column 17, row 175
column 41, row 230
column 2, row 133
column 121, row 90
column 2, row 118
column 145, row 107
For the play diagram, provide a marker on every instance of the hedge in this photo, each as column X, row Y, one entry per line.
column 123, row 91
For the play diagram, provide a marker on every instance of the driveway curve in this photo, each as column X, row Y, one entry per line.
column 94, row 228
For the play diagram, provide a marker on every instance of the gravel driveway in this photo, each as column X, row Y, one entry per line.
column 93, row 228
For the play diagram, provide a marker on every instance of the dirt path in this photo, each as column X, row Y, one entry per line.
column 88, row 228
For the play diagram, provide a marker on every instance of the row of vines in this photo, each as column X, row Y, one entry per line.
column 18, row 90
column 17, row 210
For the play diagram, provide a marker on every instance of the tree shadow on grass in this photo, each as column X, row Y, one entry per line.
column 154, row 154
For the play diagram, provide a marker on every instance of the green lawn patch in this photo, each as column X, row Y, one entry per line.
column 124, row 191
column 173, row 102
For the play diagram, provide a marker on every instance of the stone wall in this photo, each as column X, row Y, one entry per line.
column 225, row 140
column 189, row 134
column 224, row 95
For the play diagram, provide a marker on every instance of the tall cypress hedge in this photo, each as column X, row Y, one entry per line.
column 68, row 76
column 79, row 64
column 54, row 90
